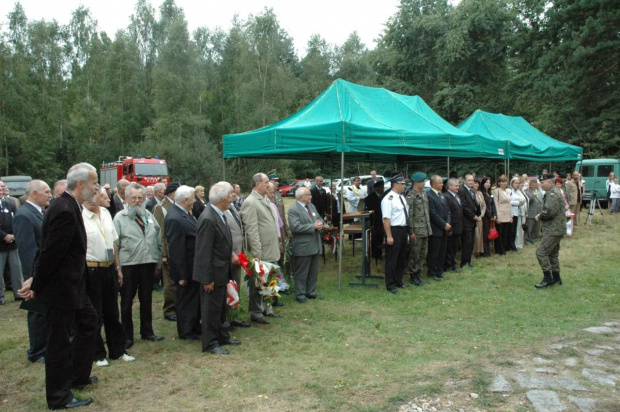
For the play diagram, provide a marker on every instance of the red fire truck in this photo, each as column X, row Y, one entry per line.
column 144, row 170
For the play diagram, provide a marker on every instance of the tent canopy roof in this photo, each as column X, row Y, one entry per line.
column 524, row 141
column 367, row 124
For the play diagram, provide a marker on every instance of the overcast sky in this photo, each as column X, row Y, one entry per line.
column 334, row 20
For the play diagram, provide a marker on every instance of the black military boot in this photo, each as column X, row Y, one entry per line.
column 415, row 278
column 556, row 278
column 547, row 280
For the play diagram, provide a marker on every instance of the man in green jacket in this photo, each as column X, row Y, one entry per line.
column 553, row 218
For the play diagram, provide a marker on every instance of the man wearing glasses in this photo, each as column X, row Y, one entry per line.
column 139, row 249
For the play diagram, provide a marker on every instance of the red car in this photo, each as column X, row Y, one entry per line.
column 291, row 184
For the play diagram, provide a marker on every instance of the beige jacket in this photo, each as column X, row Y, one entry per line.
column 571, row 191
column 261, row 228
column 502, row 205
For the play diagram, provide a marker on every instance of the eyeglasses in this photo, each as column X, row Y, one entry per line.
column 136, row 197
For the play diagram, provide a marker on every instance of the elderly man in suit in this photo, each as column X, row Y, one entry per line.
column 180, row 228
column 28, row 225
column 139, row 250
column 118, row 200
column 8, row 246
column 471, row 215
column 59, row 281
column 261, row 230
column 440, row 224
column 455, row 204
column 170, row 287
column 212, row 268
column 236, row 231
column 319, row 196
column 158, row 196
column 306, row 224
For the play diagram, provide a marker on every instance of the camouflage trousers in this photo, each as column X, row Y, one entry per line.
column 548, row 253
column 418, row 250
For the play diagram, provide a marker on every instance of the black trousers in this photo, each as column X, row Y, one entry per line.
column 486, row 225
column 513, row 233
column 37, row 334
column 137, row 279
column 453, row 242
column 396, row 258
column 213, row 310
column 70, row 346
column 188, row 309
column 467, row 244
column 103, row 294
column 436, row 254
column 502, row 242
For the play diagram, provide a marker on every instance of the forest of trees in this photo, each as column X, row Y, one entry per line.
column 74, row 93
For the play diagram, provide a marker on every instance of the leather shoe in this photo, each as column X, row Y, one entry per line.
column 314, row 297
column 2, row 301
column 437, row 278
column 286, row 292
column 278, row 303
column 218, row 350
column 403, row 286
column 191, row 338
column 229, row 328
column 455, row 270
column 274, row 315
column 234, row 342
column 240, row 324
column 302, row 300
column 262, row 321
column 75, row 403
column 171, row 318
column 393, row 290
column 89, row 381
column 153, row 338
column 128, row 344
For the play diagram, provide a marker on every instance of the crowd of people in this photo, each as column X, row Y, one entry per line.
column 72, row 251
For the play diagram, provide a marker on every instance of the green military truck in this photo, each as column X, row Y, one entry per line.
column 595, row 173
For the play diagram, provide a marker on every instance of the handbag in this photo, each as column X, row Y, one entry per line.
column 524, row 227
column 493, row 233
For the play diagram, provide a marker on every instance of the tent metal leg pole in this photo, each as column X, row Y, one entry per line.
column 508, row 173
column 223, row 170
column 341, row 220
column 448, row 170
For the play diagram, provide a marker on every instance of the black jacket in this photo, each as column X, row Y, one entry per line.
column 28, row 227
column 470, row 207
column 7, row 212
column 181, row 236
column 439, row 212
column 456, row 213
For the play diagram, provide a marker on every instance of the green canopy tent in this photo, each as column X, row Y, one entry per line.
column 366, row 124
column 523, row 140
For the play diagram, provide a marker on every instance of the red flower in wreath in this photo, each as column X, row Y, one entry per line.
column 243, row 261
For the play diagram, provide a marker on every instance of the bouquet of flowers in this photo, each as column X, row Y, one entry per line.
column 328, row 236
column 264, row 275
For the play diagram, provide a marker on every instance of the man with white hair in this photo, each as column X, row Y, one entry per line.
column 158, row 196
column 212, row 268
column 180, row 228
column 59, row 281
column 28, row 225
column 139, row 249
column 306, row 225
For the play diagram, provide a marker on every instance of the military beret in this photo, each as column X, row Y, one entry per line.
column 547, row 177
column 418, row 177
column 378, row 183
column 172, row 187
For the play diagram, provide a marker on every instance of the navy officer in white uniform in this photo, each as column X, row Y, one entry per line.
column 395, row 222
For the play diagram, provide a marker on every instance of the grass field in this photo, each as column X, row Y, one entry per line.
column 359, row 349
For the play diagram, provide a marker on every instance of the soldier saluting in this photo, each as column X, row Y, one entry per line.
column 553, row 218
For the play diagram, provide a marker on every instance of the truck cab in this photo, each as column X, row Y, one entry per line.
column 595, row 173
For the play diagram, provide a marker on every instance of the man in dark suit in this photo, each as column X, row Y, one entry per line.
column 306, row 224
column 212, row 268
column 59, row 281
column 471, row 215
column 8, row 246
column 373, row 202
column 118, row 200
column 319, row 197
column 28, row 225
column 440, row 225
column 456, row 221
column 158, row 196
column 180, row 228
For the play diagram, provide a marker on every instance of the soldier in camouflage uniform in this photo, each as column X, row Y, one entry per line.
column 419, row 227
column 553, row 218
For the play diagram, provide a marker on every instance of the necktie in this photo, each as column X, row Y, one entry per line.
column 224, row 217
column 140, row 223
column 309, row 212
column 458, row 199
column 191, row 216
column 405, row 208
column 471, row 194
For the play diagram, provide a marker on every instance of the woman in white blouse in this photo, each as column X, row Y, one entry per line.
column 517, row 203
